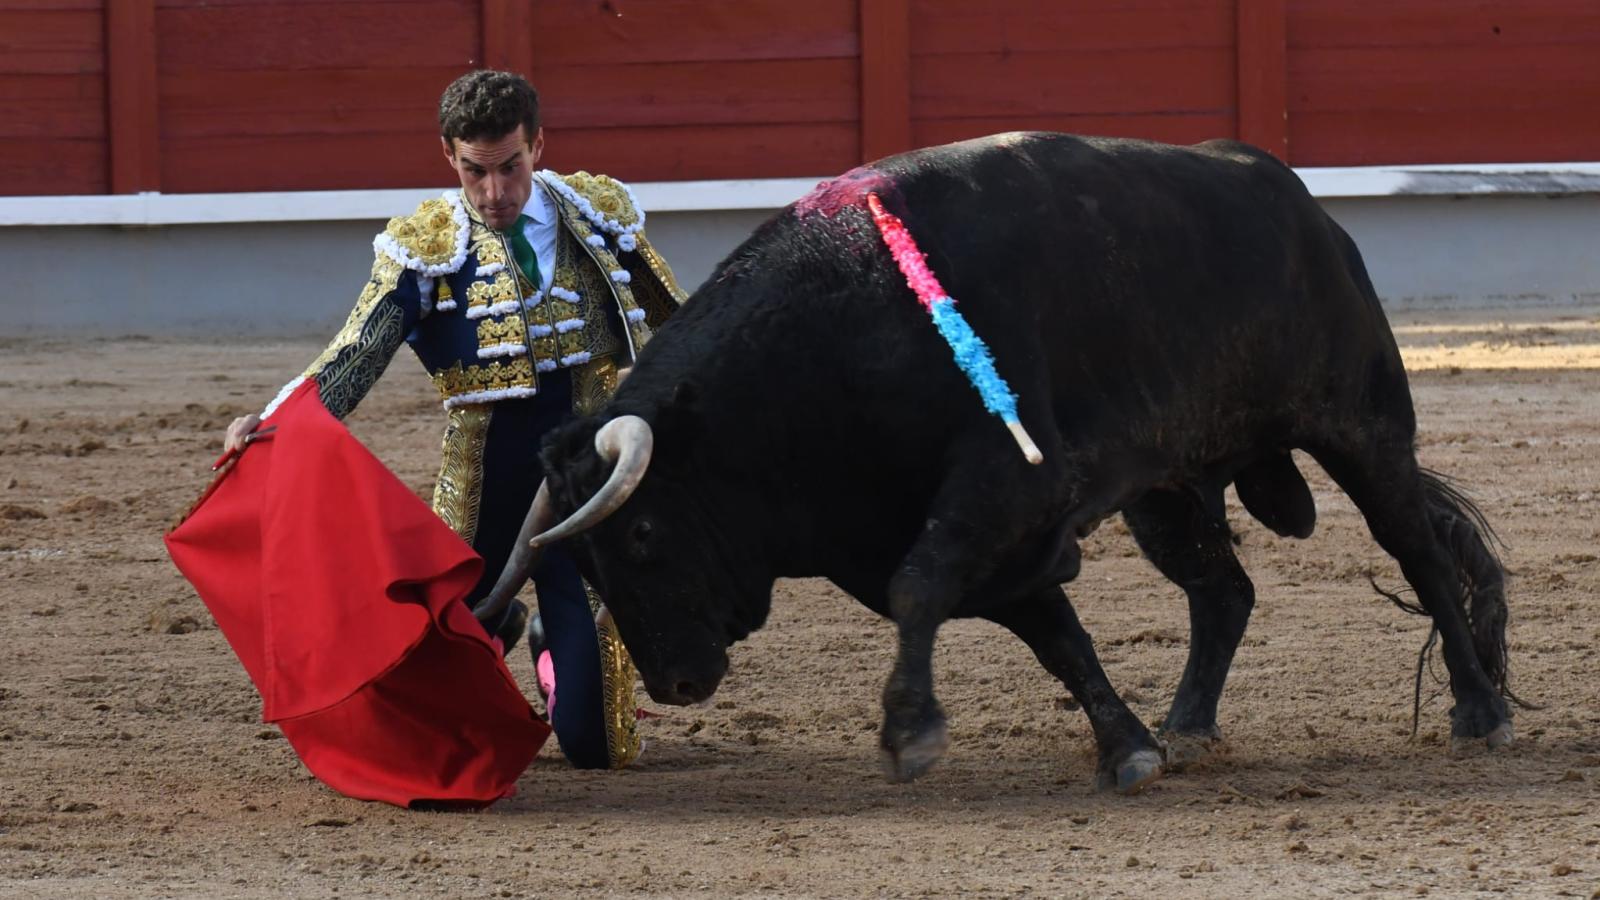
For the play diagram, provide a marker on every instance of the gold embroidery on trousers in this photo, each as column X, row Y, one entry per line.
column 592, row 385
column 617, row 678
column 458, row 493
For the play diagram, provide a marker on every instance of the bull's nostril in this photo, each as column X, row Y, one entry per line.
column 685, row 689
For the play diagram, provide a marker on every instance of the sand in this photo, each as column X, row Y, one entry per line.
column 135, row 763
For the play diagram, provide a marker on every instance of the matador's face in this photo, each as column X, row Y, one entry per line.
column 496, row 173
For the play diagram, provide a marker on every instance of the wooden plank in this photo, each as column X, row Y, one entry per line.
column 354, row 101
column 305, row 162
column 411, row 159
column 1554, row 76
column 1453, row 23
column 349, row 101
column 507, row 36
column 707, row 151
column 366, row 35
column 293, row 7
column 976, row 85
column 55, row 42
column 133, row 128
column 585, row 33
column 53, row 107
column 960, row 26
column 94, row 6
column 36, row 168
column 1394, row 137
column 885, row 78
column 1178, row 128
column 691, row 93
column 1263, row 76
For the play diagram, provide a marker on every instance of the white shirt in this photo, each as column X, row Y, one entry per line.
column 541, row 231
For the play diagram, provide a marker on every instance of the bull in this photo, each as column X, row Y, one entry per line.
column 1172, row 319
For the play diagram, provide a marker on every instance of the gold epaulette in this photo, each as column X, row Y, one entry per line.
column 431, row 241
column 605, row 202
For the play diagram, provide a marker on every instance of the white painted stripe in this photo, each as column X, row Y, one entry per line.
column 727, row 195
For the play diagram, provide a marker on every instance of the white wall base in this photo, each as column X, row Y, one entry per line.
column 1508, row 247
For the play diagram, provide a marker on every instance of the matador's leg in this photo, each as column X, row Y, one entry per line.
column 612, row 693
column 487, row 480
column 458, row 500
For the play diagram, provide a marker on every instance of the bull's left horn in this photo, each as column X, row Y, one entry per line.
column 626, row 442
column 523, row 558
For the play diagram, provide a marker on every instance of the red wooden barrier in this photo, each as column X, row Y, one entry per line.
column 1439, row 81
column 238, row 95
column 132, row 103
column 1160, row 69
column 53, row 97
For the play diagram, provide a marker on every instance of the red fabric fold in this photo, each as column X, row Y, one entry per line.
column 341, row 592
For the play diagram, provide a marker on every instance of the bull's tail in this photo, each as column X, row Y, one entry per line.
column 1471, row 542
column 1464, row 531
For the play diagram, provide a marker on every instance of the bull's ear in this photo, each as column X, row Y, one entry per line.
column 567, row 443
column 686, row 396
column 679, row 422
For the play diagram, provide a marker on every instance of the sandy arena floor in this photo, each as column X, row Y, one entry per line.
column 135, row 764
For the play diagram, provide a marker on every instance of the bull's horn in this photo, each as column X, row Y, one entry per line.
column 523, row 558
column 626, row 442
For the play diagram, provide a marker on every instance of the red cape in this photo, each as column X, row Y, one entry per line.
column 341, row 592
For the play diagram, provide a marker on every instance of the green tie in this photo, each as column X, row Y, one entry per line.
column 527, row 260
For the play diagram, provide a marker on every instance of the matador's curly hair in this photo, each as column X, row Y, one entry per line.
column 487, row 104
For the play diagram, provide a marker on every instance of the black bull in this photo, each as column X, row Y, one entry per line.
column 1173, row 320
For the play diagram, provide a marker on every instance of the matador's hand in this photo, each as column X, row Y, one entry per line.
column 234, row 441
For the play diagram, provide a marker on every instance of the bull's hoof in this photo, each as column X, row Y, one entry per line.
column 1185, row 748
column 1130, row 776
column 1501, row 736
column 907, row 759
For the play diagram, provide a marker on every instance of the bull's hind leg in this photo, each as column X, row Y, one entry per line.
column 1185, row 535
column 1130, row 757
column 1412, row 524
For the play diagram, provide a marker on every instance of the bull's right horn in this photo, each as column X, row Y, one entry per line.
column 626, row 442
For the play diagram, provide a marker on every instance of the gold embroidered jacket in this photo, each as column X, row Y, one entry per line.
column 446, row 283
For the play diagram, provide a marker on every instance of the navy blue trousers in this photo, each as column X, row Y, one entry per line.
column 511, row 476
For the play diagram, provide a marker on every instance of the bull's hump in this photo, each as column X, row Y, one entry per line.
column 849, row 189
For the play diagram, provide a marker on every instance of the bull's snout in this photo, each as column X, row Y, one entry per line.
column 684, row 688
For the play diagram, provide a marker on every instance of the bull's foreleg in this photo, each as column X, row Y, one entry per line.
column 1130, row 756
column 1186, row 537
column 947, row 557
column 914, row 735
